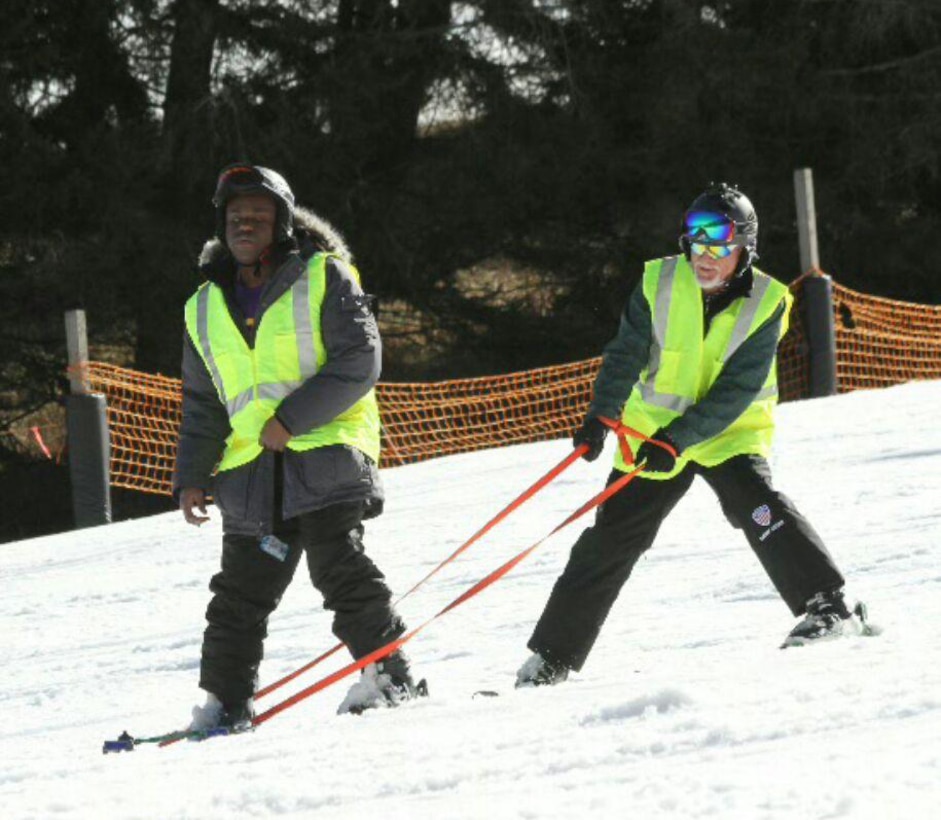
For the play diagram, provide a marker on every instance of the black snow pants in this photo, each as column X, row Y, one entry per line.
column 625, row 527
column 256, row 572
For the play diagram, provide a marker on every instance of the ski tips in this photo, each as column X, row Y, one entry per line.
column 127, row 743
column 124, row 743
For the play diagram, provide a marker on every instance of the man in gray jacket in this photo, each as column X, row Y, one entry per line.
column 280, row 423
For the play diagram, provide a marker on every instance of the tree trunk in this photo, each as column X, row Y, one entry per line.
column 103, row 80
column 187, row 106
column 384, row 60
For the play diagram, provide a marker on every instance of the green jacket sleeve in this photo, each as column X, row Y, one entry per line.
column 623, row 359
column 739, row 382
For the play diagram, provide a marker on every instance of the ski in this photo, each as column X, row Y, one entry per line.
column 126, row 742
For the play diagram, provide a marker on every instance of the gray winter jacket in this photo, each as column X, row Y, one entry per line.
column 308, row 480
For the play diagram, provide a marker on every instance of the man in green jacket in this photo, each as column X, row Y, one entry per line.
column 692, row 368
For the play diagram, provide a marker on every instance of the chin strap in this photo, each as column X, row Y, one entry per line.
column 264, row 259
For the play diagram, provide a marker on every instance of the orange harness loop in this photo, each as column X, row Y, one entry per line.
column 622, row 431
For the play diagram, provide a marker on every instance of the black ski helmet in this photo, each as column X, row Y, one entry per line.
column 732, row 205
column 244, row 178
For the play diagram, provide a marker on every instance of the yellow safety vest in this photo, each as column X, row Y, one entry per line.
column 684, row 364
column 289, row 349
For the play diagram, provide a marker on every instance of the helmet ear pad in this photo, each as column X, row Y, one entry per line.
column 284, row 222
column 749, row 257
column 746, row 260
column 220, row 223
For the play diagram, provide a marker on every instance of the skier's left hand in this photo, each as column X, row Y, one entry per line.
column 274, row 435
column 655, row 456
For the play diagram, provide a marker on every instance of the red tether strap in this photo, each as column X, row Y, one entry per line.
column 563, row 465
column 481, row 585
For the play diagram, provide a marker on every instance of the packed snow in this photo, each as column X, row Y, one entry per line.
column 687, row 708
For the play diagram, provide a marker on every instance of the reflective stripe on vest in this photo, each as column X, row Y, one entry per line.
column 307, row 346
column 289, row 350
column 685, row 362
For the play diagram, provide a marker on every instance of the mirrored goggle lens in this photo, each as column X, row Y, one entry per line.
column 715, row 251
column 710, row 227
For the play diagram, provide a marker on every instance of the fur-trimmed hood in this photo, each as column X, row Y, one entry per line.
column 312, row 234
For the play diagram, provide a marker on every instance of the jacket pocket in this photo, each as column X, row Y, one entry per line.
column 243, row 497
column 324, row 475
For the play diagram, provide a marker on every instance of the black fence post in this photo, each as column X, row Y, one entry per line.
column 89, row 442
column 821, row 334
column 817, row 292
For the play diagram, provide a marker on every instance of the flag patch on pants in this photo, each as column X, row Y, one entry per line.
column 762, row 515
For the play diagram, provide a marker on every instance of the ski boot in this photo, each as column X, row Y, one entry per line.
column 216, row 717
column 386, row 683
column 828, row 617
column 539, row 671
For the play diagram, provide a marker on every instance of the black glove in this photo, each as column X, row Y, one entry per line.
column 592, row 433
column 658, row 459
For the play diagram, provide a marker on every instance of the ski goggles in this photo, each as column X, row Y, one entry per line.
column 715, row 251
column 236, row 179
column 708, row 227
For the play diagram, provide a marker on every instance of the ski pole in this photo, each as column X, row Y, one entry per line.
column 481, row 585
column 517, row 502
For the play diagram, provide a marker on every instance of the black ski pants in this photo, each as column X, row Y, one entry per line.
column 601, row 560
column 254, row 575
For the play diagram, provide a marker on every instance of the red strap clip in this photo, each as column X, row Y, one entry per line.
column 622, row 431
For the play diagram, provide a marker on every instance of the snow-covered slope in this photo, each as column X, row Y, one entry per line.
column 686, row 709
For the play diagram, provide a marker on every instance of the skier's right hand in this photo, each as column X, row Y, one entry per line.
column 592, row 432
column 192, row 499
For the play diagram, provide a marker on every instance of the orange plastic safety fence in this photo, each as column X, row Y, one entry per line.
column 144, row 414
column 424, row 420
column 419, row 420
column 879, row 342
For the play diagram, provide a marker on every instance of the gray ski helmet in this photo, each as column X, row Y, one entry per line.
column 733, row 207
column 244, row 178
